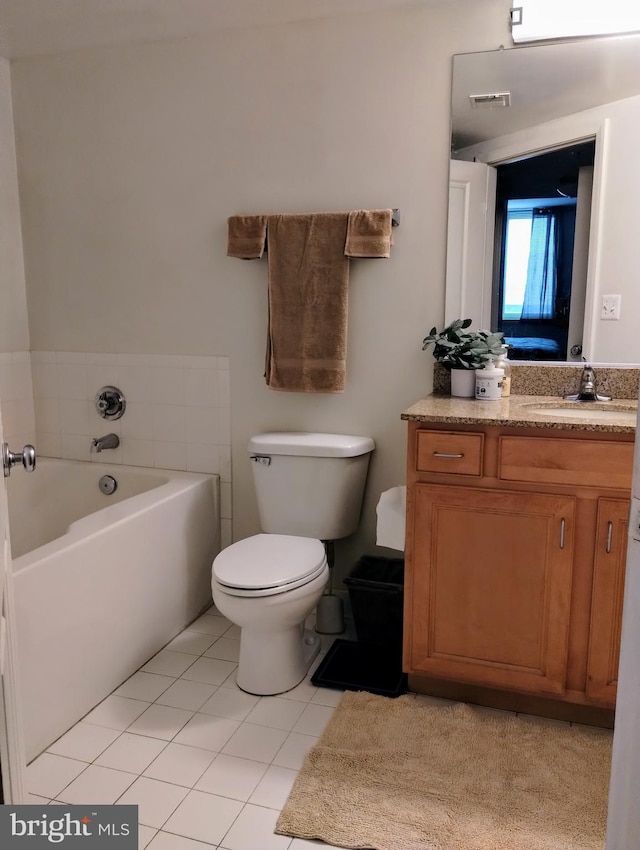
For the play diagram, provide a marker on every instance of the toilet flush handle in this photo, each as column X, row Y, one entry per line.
column 265, row 460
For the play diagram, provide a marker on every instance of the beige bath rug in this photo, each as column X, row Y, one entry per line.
column 397, row 774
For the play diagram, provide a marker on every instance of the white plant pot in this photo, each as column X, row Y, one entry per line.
column 463, row 382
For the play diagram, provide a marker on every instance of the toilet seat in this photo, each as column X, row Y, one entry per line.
column 267, row 564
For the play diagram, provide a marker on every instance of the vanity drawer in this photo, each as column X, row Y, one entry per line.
column 587, row 463
column 449, row 451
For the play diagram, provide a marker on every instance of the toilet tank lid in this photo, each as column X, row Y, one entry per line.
column 310, row 444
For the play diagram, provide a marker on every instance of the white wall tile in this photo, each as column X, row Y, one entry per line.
column 169, row 423
column 176, row 416
column 167, row 455
column 203, row 458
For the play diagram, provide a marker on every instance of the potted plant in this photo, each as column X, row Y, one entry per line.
column 463, row 351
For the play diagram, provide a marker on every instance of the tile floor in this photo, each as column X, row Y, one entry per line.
column 208, row 765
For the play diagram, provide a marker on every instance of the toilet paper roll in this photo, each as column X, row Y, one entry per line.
column 391, row 511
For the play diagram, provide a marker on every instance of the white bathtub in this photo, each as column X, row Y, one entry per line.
column 102, row 582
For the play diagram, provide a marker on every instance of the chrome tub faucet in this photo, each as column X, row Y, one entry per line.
column 587, row 390
column 109, row 441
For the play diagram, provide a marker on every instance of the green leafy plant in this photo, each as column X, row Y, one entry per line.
column 457, row 348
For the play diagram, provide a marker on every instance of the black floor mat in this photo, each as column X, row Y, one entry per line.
column 354, row 666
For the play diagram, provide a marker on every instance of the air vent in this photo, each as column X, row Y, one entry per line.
column 487, row 101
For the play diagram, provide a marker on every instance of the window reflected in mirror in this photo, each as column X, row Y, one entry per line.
column 534, row 279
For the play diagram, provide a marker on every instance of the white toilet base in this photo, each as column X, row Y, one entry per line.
column 275, row 662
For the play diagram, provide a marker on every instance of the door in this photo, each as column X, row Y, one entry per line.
column 472, row 200
column 12, row 756
column 607, row 597
column 623, row 820
column 492, row 587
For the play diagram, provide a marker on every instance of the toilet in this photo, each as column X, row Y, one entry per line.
column 309, row 489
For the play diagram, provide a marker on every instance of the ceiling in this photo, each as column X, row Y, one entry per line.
column 545, row 81
column 33, row 27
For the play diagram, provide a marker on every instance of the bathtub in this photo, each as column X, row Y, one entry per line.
column 102, row 582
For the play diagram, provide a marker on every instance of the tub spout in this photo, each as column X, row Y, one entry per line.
column 109, row 441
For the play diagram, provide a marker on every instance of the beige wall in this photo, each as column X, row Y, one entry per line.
column 131, row 159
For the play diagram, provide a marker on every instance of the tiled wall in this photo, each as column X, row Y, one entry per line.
column 16, row 392
column 177, row 414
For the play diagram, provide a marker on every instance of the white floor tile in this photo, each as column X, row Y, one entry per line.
column 258, row 743
column 161, row 721
column 292, row 753
column 207, row 732
column 131, row 753
column 327, row 696
column 209, row 670
column 84, row 741
column 233, row 777
column 144, row 686
column 100, row 785
column 276, row 713
column 210, row 624
column 49, row 774
column 168, row 663
column 233, row 632
column 253, row 829
column 191, row 642
column 180, row 765
column 155, row 800
column 35, row 800
column 274, row 787
column 189, row 695
column 303, row 844
column 167, row 841
column 116, row 712
column 313, row 719
column 145, row 834
column 227, row 649
column 304, row 692
column 230, row 702
column 203, row 817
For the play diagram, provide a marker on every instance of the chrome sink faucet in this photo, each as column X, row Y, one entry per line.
column 109, row 441
column 587, row 389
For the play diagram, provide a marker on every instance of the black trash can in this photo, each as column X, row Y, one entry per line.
column 374, row 662
column 376, row 593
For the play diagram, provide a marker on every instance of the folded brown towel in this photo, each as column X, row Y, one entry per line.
column 369, row 233
column 247, row 234
column 308, row 302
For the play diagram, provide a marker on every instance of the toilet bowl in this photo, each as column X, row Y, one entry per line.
column 268, row 584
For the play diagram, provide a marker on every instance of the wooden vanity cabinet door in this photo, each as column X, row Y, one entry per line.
column 606, row 600
column 490, row 584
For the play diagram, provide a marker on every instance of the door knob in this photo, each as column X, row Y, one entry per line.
column 27, row 457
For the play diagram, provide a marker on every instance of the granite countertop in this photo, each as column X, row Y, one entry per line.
column 520, row 411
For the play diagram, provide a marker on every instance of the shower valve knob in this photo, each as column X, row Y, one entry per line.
column 110, row 403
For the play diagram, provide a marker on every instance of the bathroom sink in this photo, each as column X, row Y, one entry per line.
column 593, row 411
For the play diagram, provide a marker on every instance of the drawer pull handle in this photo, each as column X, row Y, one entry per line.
column 562, row 530
column 609, row 536
column 449, row 454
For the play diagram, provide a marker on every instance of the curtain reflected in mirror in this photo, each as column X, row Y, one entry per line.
column 534, row 280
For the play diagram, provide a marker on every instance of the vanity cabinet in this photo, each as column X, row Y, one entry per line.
column 515, row 554
column 608, row 591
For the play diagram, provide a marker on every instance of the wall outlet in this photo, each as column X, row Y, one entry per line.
column 610, row 307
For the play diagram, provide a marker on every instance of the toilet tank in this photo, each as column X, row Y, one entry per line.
column 309, row 484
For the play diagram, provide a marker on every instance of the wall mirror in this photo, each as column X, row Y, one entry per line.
column 543, row 190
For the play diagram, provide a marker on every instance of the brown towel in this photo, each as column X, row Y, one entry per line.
column 308, row 292
column 369, row 233
column 247, row 234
